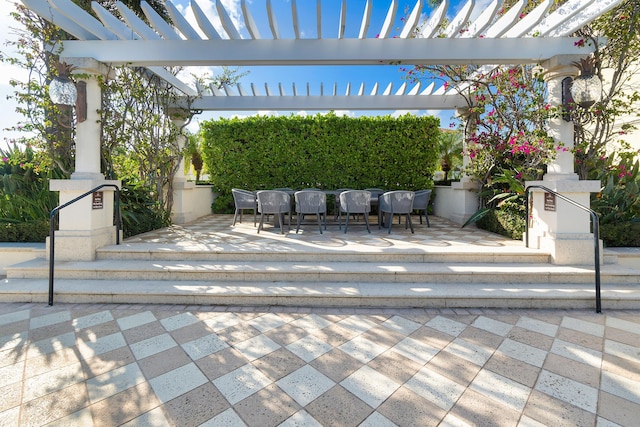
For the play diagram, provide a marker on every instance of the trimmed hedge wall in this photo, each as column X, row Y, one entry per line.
column 621, row 234
column 322, row 151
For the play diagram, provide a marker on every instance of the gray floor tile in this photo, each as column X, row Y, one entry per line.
column 114, row 382
column 569, row 391
column 439, row 390
column 241, row 383
column 305, row 384
column 370, row 386
column 176, row 382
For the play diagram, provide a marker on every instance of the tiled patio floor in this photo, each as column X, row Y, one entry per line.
column 216, row 231
column 144, row 365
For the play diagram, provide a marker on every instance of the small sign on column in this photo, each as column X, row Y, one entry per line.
column 98, row 200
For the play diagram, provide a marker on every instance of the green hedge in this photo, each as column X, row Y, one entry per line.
column 621, row 234
column 508, row 221
column 322, row 151
column 30, row 231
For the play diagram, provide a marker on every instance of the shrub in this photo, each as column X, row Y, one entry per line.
column 508, row 220
column 141, row 211
column 621, row 234
column 32, row 231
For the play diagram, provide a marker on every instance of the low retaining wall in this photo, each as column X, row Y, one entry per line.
column 14, row 253
column 191, row 201
column 456, row 202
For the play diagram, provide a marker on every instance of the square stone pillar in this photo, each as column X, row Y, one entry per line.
column 88, row 223
column 85, row 225
column 555, row 225
column 559, row 227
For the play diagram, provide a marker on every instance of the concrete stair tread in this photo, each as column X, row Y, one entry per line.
column 320, row 267
column 533, row 295
column 281, row 252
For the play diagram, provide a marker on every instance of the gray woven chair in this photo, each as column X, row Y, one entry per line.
column 273, row 202
column 421, row 204
column 353, row 202
column 244, row 200
column 311, row 202
column 375, row 193
column 392, row 203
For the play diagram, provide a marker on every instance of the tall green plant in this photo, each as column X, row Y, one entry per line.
column 324, row 151
column 24, row 193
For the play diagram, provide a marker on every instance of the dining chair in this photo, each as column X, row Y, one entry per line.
column 244, row 199
column 276, row 203
column 399, row 202
column 311, row 202
column 421, row 204
column 375, row 193
column 353, row 202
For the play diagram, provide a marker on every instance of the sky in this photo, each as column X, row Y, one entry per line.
column 328, row 75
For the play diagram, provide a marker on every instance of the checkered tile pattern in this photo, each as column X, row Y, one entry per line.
column 217, row 230
column 108, row 365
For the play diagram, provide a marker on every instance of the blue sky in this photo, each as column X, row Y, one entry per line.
column 328, row 75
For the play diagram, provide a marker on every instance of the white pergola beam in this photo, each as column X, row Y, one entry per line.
column 138, row 25
column 388, row 21
column 483, row 20
column 435, row 20
column 561, row 15
column 159, row 23
column 343, row 19
column 324, row 52
column 226, row 21
column 529, row 21
column 112, row 23
column 453, row 30
column 248, row 20
column 77, row 21
column 366, row 19
column 412, row 21
column 203, row 22
column 273, row 23
column 506, row 21
column 325, row 103
column 181, row 23
column 294, row 19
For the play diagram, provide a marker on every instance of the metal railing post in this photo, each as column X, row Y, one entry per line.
column 52, row 228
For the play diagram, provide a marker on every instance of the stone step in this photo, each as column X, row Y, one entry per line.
column 323, row 294
column 334, row 272
column 284, row 252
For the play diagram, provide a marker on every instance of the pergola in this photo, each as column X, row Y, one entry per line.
column 490, row 38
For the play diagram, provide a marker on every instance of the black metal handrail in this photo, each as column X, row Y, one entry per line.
column 596, row 232
column 52, row 228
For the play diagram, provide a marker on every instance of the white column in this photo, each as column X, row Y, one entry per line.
column 87, row 145
column 88, row 223
column 459, row 201
column 555, row 225
column 182, row 188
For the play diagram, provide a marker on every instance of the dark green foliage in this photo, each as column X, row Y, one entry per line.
column 140, row 209
column 32, row 231
column 621, row 234
column 25, row 199
column 323, row 151
column 508, row 220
